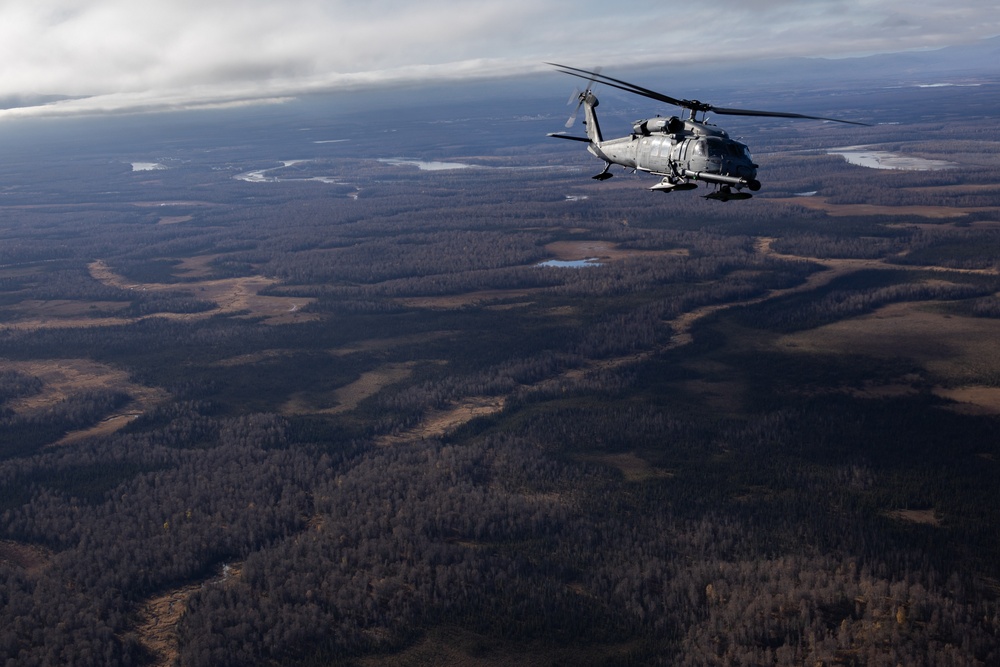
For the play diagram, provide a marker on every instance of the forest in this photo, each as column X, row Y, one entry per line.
column 291, row 396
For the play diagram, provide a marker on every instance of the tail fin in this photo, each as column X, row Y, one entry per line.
column 589, row 101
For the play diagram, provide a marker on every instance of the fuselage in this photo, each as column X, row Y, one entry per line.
column 672, row 147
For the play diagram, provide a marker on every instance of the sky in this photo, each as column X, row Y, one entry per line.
column 66, row 57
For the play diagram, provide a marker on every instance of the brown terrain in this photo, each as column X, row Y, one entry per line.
column 62, row 377
column 958, row 347
column 955, row 347
column 879, row 330
column 160, row 615
column 29, row 557
column 231, row 296
column 842, row 210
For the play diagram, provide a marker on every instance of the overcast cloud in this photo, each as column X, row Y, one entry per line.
column 114, row 55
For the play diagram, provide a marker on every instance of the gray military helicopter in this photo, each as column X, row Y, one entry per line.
column 680, row 150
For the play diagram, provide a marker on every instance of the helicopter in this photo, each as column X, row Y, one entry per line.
column 681, row 150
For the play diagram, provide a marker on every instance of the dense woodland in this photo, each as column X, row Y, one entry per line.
column 674, row 478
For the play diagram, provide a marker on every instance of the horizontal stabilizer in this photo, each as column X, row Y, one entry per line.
column 567, row 136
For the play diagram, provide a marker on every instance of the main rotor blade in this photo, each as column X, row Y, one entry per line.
column 693, row 105
column 620, row 85
column 776, row 114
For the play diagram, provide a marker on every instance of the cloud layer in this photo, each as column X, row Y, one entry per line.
column 118, row 55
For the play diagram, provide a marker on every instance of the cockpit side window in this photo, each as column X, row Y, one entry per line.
column 698, row 149
column 738, row 150
column 717, row 148
column 724, row 148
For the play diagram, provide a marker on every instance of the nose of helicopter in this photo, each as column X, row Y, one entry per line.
column 747, row 170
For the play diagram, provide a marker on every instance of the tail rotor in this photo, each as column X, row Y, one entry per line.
column 580, row 97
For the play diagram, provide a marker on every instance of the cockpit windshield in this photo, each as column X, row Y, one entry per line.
column 723, row 148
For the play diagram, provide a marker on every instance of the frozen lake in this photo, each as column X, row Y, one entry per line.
column 424, row 165
column 570, row 264
column 264, row 175
column 876, row 159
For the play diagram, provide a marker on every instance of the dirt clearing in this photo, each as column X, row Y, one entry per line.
column 348, row 397
column 973, row 399
column 62, row 378
column 231, row 295
column 570, row 251
column 925, row 517
column 451, row 301
column 634, row 468
column 158, row 632
column 959, row 349
column 843, row 210
column 28, row 557
column 439, row 422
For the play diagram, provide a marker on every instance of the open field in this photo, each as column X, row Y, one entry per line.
column 603, row 251
column 441, row 421
column 348, row 397
column 231, row 295
column 157, row 632
column 958, row 350
column 974, row 399
column 925, row 517
column 63, row 377
column 633, row 468
column 451, row 301
column 160, row 614
column 28, row 557
column 846, row 210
